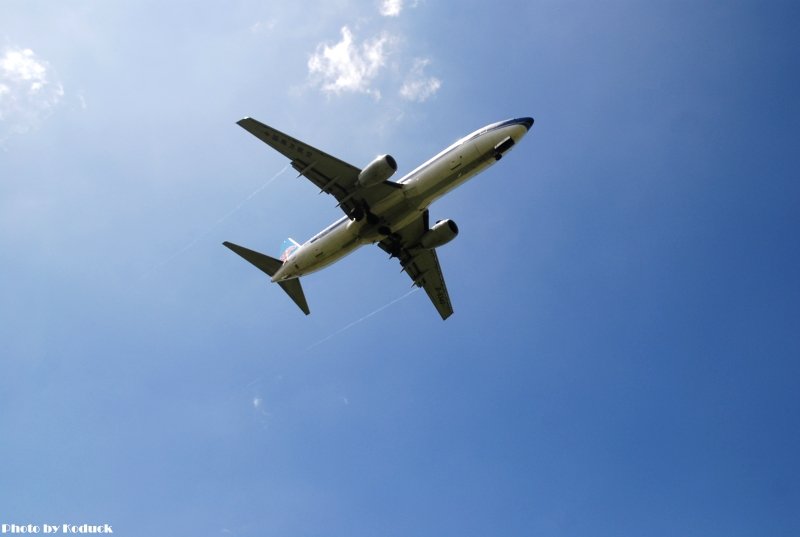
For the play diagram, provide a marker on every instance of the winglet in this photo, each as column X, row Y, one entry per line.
column 270, row 266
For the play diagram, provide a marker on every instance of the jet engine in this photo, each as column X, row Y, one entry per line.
column 441, row 233
column 377, row 171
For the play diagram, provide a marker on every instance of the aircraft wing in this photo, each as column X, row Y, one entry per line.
column 421, row 264
column 331, row 175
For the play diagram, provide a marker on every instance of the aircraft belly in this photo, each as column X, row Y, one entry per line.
column 397, row 211
column 326, row 250
column 388, row 203
column 442, row 179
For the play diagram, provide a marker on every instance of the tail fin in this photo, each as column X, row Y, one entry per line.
column 288, row 246
column 270, row 266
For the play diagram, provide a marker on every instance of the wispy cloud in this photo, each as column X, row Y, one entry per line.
column 347, row 66
column 258, row 407
column 418, row 87
column 263, row 26
column 391, row 8
column 28, row 92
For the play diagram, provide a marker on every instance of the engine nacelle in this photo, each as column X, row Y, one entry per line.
column 441, row 233
column 377, row 171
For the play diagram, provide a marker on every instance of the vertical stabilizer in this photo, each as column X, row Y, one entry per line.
column 287, row 248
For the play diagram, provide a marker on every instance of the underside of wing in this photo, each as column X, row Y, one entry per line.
column 421, row 264
column 328, row 173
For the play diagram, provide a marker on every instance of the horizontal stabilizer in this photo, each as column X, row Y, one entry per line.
column 270, row 266
column 295, row 292
column 267, row 264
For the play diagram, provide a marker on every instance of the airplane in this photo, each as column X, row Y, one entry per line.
column 392, row 214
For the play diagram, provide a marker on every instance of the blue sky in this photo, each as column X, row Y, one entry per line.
column 623, row 359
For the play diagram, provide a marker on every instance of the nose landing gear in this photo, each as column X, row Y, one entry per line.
column 502, row 147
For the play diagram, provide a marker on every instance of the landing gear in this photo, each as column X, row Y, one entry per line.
column 502, row 147
column 395, row 251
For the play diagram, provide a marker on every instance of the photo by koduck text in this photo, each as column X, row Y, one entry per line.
column 52, row 529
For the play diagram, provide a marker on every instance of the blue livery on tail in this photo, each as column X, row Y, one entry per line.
column 288, row 246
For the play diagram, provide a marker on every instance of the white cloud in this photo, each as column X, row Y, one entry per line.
column 391, row 8
column 27, row 93
column 347, row 66
column 22, row 65
column 365, row 66
column 418, row 87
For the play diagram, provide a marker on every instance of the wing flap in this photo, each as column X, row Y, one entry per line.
column 421, row 265
column 426, row 272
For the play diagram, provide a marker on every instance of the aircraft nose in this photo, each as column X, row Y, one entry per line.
column 527, row 122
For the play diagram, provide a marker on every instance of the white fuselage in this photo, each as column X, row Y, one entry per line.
column 428, row 182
